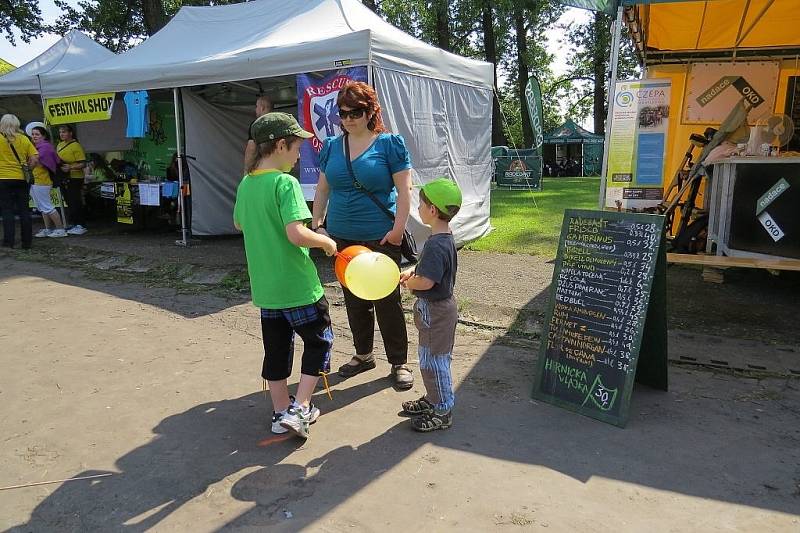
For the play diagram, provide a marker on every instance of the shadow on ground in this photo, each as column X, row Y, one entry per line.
column 702, row 439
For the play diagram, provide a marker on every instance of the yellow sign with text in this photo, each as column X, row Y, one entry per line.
column 83, row 108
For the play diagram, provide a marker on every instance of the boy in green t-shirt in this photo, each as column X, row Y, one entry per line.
column 270, row 210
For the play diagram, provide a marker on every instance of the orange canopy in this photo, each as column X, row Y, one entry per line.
column 715, row 25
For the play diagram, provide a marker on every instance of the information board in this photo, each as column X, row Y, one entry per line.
column 606, row 320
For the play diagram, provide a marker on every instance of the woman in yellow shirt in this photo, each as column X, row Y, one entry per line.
column 73, row 160
column 15, row 149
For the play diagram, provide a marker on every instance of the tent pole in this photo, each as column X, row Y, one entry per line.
column 583, row 162
column 612, row 86
column 181, row 200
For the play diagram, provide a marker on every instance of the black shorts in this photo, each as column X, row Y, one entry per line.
column 278, row 327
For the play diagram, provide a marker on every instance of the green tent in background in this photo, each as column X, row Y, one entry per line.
column 574, row 150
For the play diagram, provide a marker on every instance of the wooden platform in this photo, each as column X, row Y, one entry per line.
column 722, row 261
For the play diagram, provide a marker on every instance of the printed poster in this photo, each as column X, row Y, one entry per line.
column 124, row 204
column 713, row 89
column 317, row 112
column 637, row 143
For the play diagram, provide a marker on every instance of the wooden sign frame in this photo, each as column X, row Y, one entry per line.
column 648, row 347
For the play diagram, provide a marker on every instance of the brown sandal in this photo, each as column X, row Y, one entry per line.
column 432, row 422
column 417, row 407
column 348, row 371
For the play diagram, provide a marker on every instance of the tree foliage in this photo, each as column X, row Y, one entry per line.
column 23, row 17
column 590, row 68
column 512, row 34
column 121, row 24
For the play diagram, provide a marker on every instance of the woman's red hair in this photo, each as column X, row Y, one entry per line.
column 355, row 94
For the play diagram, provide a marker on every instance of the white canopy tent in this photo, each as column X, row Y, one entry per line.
column 72, row 52
column 440, row 102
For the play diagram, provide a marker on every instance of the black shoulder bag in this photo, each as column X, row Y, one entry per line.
column 408, row 246
column 27, row 173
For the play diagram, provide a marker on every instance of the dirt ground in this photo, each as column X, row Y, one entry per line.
column 158, row 384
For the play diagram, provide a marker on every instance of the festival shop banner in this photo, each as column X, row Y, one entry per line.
column 637, row 145
column 83, row 108
column 318, row 113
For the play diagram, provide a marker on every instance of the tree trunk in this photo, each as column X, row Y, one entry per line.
column 490, row 54
column 372, row 4
column 522, row 74
column 154, row 15
column 599, row 60
column 442, row 25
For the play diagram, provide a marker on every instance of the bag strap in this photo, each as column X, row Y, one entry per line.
column 60, row 149
column 11, row 145
column 357, row 184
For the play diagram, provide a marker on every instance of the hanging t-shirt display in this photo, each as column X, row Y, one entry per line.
column 136, row 105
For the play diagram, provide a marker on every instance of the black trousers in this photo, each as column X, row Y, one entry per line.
column 312, row 323
column 14, row 196
column 361, row 314
column 73, row 190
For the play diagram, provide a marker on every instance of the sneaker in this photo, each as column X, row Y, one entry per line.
column 277, row 428
column 56, row 233
column 77, row 230
column 296, row 420
column 44, row 232
column 312, row 414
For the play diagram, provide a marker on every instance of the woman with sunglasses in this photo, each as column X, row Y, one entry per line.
column 381, row 164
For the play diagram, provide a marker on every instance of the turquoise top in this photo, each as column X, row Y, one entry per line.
column 351, row 214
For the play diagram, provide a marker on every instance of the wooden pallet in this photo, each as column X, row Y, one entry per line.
column 714, row 265
column 723, row 261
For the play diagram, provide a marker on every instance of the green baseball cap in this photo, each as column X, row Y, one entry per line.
column 275, row 125
column 442, row 192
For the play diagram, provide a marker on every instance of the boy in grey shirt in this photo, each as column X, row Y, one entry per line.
column 435, row 311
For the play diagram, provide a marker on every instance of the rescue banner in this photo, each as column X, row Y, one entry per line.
column 83, row 108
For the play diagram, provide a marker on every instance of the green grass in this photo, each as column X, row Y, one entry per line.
column 528, row 222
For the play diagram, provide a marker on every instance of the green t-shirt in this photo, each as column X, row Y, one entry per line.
column 282, row 275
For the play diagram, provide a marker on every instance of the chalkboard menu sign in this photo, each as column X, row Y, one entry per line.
column 606, row 320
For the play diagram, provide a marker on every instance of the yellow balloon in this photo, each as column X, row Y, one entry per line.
column 372, row 276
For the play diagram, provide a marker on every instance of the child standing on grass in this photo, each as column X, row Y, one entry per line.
column 271, row 212
column 435, row 311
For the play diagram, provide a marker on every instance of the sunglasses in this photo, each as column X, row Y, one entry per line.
column 353, row 113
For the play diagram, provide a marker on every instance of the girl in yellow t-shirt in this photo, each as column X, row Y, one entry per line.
column 15, row 149
column 73, row 160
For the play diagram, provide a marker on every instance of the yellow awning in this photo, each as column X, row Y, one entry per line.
column 720, row 24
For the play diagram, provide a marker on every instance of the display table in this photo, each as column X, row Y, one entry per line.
column 754, row 208
column 141, row 202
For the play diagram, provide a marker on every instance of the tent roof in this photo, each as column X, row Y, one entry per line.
column 715, row 25
column 73, row 51
column 263, row 39
column 569, row 132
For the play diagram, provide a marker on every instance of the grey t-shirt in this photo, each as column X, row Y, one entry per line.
column 438, row 262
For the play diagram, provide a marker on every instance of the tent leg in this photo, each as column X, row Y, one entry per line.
column 582, row 162
column 181, row 199
column 612, row 86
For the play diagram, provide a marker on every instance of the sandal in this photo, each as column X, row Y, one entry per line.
column 348, row 371
column 432, row 422
column 402, row 376
column 417, row 407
